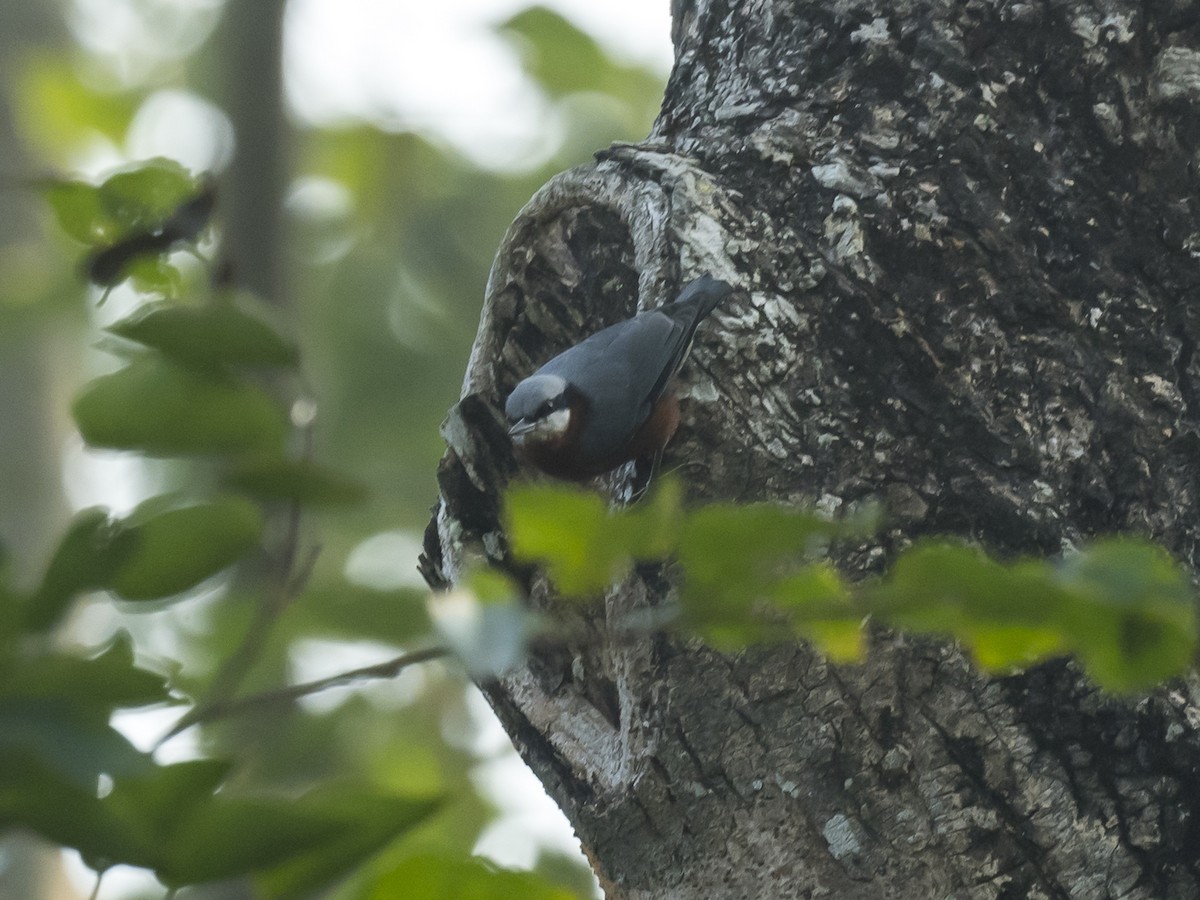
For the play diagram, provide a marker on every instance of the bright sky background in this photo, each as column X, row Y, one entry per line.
column 437, row 66
column 429, row 66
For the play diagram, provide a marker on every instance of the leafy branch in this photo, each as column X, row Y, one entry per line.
column 1120, row 606
column 191, row 387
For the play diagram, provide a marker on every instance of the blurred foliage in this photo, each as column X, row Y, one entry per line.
column 288, row 444
column 459, row 879
column 1120, row 606
column 280, row 449
column 57, row 110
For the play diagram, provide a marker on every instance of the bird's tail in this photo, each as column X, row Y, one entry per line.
column 697, row 300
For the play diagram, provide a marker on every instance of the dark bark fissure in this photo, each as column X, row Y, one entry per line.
column 967, row 240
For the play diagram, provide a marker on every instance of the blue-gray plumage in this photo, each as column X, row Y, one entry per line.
column 606, row 400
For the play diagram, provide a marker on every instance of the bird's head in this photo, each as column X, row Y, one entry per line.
column 539, row 410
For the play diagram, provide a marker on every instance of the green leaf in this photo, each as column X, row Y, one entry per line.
column 135, row 201
column 162, row 409
column 86, row 558
column 177, row 549
column 441, row 878
column 155, row 802
column 1007, row 648
column 79, row 211
column 208, row 335
column 60, row 110
column 143, row 196
column 813, row 603
column 52, row 757
column 1007, row 616
column 839, row 640
column 367, row 822
column 729, row 550
column 491, row 587
column 67, row 739
column 63, row 810
column 567, row 530
column 1135, row 623
column 563, row 59
column 145, row 812
column 345, row 610
column 818, row 605
column 1122, row 607
column 97, row 684
column 222, row 838
column 649, row 529
column 560, row 56
column 144, row 266
column 583, row 546
column 295, row 481
column 941, row 586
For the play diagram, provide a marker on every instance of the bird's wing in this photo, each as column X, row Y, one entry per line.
column 624, row 369
column 696, row 301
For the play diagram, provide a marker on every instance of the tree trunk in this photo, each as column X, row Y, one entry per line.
column 967, row 236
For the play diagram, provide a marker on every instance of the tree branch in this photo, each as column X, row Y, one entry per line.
column 224, row 709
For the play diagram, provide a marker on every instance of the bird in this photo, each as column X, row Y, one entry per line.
column 610, row 398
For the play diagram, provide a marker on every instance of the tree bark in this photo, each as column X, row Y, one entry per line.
column 250, row 50
column 968, row 241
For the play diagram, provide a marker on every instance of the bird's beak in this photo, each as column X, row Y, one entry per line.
column 520, row 428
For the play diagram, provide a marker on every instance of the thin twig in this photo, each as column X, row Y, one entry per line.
column 95, row 894
column 228, row 708
column 238, row 664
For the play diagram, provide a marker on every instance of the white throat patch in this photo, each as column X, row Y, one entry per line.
column 550, row 428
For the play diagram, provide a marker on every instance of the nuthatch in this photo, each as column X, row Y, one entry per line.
column 609, row 399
